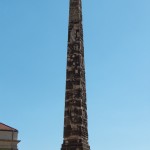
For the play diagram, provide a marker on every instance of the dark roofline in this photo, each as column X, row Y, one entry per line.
column 10, row 128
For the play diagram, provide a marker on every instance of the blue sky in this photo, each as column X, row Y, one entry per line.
column 33, row 44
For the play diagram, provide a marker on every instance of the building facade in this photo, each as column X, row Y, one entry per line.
column 8, row 137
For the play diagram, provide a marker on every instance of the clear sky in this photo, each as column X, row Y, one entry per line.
column 33, row 44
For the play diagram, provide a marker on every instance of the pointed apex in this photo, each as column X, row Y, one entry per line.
column 4, row 127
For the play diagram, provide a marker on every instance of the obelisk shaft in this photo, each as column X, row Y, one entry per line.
column 75, row 121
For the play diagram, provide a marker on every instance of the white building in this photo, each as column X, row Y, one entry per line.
column 8, row 137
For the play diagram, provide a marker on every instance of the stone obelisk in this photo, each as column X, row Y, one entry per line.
column 75, row 119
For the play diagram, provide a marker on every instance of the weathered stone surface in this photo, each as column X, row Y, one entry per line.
column 75, row 121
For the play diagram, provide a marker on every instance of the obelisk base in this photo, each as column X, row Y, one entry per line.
column 75, row 146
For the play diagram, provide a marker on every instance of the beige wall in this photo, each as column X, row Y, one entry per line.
column 8, row 140
column 8, row 135
column 5, row 144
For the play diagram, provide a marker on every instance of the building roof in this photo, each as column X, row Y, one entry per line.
column 4, row 127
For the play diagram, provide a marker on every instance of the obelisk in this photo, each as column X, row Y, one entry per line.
column 75, row 117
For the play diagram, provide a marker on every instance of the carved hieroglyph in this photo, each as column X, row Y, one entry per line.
column 75, row 121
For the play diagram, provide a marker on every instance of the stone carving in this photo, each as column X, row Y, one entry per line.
column 75, row 121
